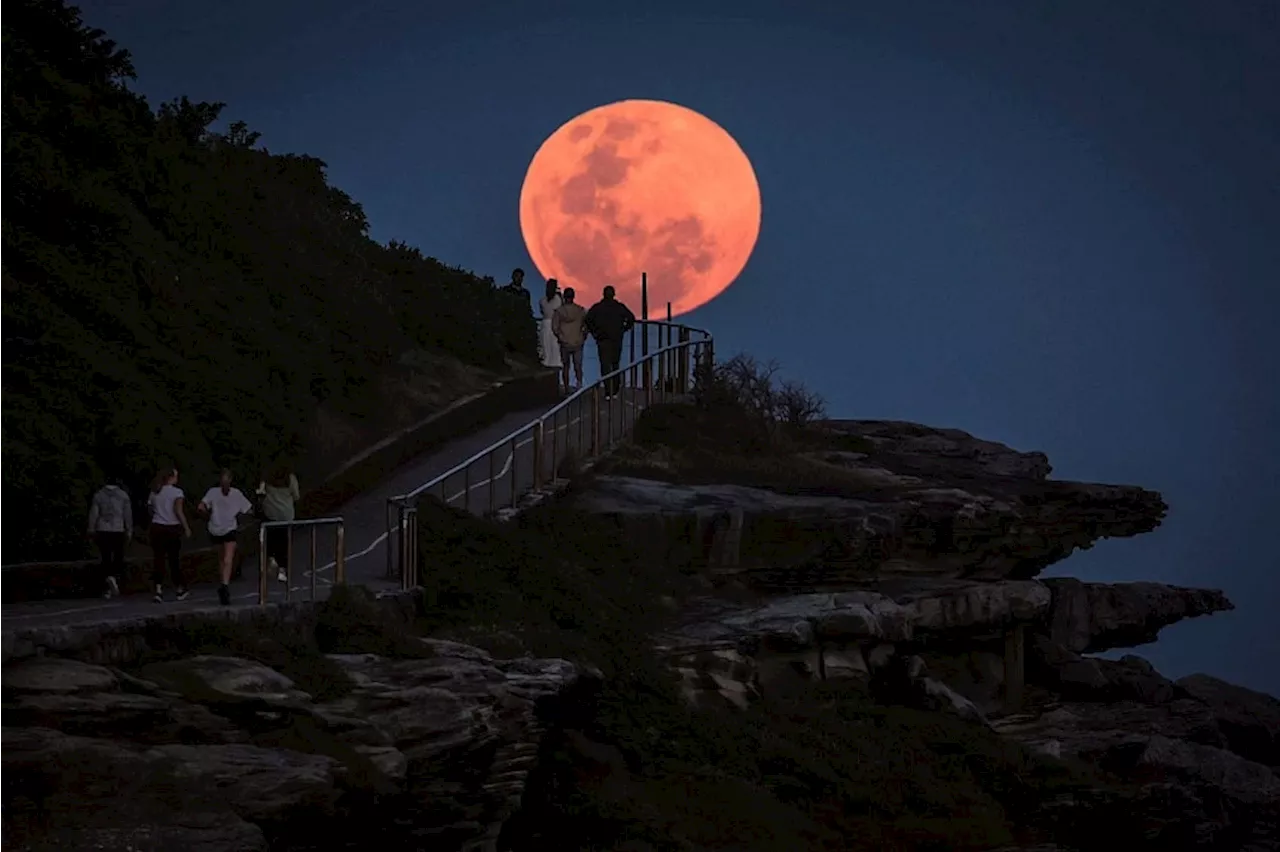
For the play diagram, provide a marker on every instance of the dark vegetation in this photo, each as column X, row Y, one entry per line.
column 746, row 428
column 176, row 293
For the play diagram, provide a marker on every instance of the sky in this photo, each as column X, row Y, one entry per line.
column 1055, row 225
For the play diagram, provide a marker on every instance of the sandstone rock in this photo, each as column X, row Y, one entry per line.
column 1092, row 728
column 976, row 674
column 457, row 733
column 844, row 664
column 928, row 448
column 1090, row 617
column 1249, row 720
column 922, row 610
column 879, row 656
column 190, row 832
column 778, row 668
column 1234, row 775
column 156, row 784
column 226, row 678
column 982, row 605
column 936, row 695
column 976, row 528
column 56, row 675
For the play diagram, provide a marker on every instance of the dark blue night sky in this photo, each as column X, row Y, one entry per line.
column 1053, row 225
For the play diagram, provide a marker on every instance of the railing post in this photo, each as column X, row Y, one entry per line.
column 538, row 434
column 313, row 562
column 288, row 563
column 514, row 442
column 340, row 554
column 684, row 359
column 555, row 444
column 466, row 489
column 662, row 372
column 493, row 485
column 386, row 516
column 410, row 571
column 263, row 587
column 648, row 383
column 595, row 421
column 401, row 541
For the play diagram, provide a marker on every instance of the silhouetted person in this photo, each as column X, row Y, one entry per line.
column 167, row 505
column 516, row 285
column 279, row 491
column 547, row 342
column 569, row 325
column 224, row 505
column 111, row 527
column 609, row 321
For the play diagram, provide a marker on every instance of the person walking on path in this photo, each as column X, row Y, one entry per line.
column 279, row 492
column 609, row 321
column 169, row 525
column 547, row 342
column 569, row 325
column 111, row 528
column 224, row 505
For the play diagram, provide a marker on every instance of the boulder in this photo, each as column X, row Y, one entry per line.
column 1249, row 720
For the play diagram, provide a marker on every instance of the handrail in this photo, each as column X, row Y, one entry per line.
column 558, row 407
column 675, row 372
column 313, row 524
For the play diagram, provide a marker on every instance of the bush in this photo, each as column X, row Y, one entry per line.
column 744, row 384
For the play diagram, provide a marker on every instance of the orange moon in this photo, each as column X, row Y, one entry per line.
column 641, row 186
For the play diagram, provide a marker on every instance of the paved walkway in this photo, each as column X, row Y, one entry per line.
column 366, row 519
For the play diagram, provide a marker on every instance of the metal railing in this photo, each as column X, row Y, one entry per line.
column 500, row 475
column 313, row 525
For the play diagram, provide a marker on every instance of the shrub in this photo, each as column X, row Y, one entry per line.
column 752, row 387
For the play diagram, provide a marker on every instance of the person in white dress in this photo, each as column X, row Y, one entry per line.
column 224, row 505
column 546, row 335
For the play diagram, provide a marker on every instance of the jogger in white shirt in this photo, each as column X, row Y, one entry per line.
column 224, row 505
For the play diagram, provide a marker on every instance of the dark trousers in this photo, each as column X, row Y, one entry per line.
column 610, row 352
column 278, row 544
column 111, row 548
column 166, row 551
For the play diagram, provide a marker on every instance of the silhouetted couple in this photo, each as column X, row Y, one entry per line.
column 608, row 322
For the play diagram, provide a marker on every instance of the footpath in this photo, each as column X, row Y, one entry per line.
column 365, row 515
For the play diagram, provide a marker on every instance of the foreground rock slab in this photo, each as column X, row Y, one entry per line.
column 221, row 753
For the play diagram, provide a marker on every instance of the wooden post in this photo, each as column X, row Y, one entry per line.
column 1014, row 668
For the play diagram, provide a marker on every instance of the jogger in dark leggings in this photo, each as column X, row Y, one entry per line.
column 166, row 549
column 168, row 527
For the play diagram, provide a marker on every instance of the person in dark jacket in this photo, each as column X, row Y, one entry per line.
column 609, row 321
column 515, row 286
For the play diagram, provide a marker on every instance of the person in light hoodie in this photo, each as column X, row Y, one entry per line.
column 111, row 528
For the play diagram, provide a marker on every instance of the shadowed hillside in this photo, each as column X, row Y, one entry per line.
column 175, row 293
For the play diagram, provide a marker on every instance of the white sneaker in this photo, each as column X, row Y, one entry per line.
column 275, row 566
column 113, row 588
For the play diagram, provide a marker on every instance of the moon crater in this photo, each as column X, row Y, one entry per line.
column 641, row 186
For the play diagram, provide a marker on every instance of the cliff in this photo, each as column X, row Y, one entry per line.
column 832, row 639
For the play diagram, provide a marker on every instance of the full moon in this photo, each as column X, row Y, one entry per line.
column 641, row 186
